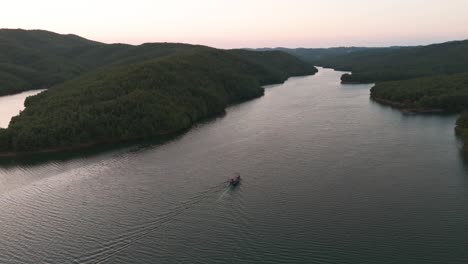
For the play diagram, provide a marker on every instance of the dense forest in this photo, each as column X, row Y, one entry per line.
column 117, row 92
column 315, row 55
column 401, row 63
column 445, row 92
column 36, row 59
column 144, row 92
column 279, row 65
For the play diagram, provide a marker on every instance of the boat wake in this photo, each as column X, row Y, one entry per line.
column 226, row 190
column 116, row 245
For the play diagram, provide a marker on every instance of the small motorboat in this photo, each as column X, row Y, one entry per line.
column 234, row 181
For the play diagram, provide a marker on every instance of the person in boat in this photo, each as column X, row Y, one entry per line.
column 235, row 180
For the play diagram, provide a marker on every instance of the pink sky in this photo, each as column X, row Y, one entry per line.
column 243, row 23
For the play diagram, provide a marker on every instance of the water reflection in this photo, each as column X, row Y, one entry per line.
column 327, row 178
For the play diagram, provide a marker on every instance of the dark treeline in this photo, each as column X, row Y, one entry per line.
column 446, row 92
column 35, row 59
column 145, row 100
column 401, row 63
column 279, row 65
column 315, row 55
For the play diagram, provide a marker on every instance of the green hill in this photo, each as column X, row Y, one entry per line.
column 34, row 59
column 314, row 55
column 149, row 99
column 93, row 57
column 389, row 64
column 279, row 63
column 445, row 92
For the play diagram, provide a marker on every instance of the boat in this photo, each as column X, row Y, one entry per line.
column 234, row 181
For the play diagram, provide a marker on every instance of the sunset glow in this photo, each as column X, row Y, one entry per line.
column 242, row 23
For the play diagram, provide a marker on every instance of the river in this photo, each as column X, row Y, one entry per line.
column 328, row 177
column 11, row 106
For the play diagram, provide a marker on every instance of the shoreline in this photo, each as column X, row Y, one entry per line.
column 459, row 133
column 411, row 110
column 162, row 137
column 13, row 93
column 406, row 109
column 104, row 143
column 12, row 105
column 166, row 136
column 91, row 146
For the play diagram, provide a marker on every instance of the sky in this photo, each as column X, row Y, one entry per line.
column 246, row 23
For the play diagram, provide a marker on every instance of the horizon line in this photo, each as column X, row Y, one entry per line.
column 256, row 48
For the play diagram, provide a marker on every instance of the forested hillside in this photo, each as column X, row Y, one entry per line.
column 445, row 92
column 279, row 63
column 35, row 59
column 315, row 55
column 144, row 100
column 404, row 63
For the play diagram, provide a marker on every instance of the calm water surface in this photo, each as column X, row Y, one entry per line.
column 11, row 106
column 328, row 177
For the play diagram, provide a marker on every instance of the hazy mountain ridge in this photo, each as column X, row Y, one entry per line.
column 375, row 65
column 313, row 55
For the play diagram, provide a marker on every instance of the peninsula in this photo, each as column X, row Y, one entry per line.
column 107, row 93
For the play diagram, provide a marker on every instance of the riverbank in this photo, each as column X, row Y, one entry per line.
column 407, row 109
column 460, row 127
column 427, row 95
column 153, row 200
column 463, row 134
column 160, row 138
column 441, row 91
column 145, row 100
column 12, row 105
column 92, row 146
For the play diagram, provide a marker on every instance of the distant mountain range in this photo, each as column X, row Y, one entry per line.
column 316, row 54
column 370, row 65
